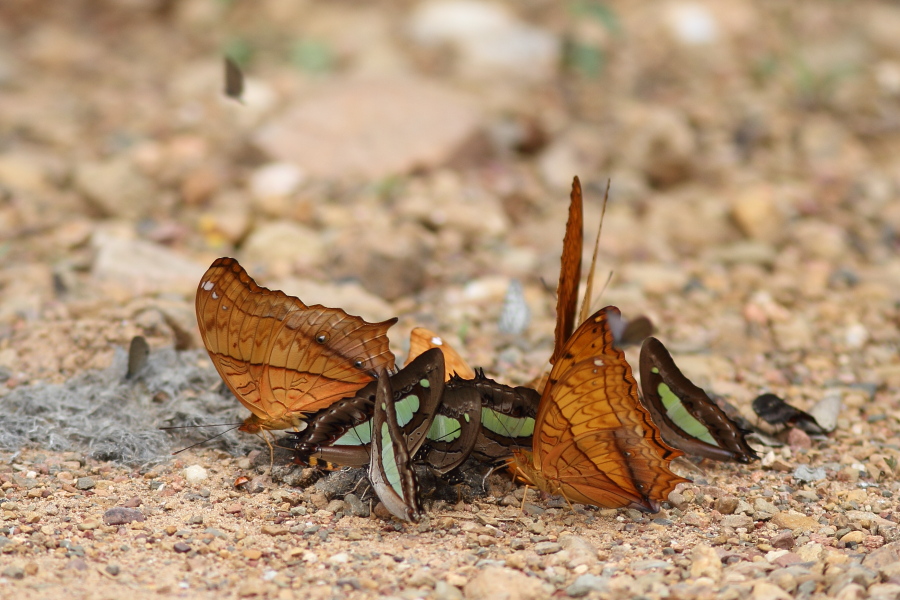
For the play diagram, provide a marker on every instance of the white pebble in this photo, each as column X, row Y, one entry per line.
column 856, row 336
column 339, row 559
column 195, row 474
column 276, row 180
column 693, row 24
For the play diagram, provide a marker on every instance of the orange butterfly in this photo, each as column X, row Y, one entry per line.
column 422, row 339
column 594, row 442
column 280, row 357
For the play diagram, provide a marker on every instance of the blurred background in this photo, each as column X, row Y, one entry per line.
column 414, row 158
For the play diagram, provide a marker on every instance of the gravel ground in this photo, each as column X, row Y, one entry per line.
column 388, row 160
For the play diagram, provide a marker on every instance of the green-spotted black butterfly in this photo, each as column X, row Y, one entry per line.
column 688, row 419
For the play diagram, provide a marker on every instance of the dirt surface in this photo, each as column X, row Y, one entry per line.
column 412, row 160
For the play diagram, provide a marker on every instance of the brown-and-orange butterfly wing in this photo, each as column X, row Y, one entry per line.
column 569, row 272
column 421, row 339
column 280, row 357
column 594, row 441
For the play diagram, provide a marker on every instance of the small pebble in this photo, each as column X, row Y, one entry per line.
column 587, row 583
column 113, row 569
column 547, row 548
column 181, row 547
column 85, row 483
column 195, row 474
column 119, row 515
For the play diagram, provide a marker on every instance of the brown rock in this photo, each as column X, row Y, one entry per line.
column 371, row 129
column 727, row 505
column 798, row 439
column 500, row 583
column 705, row 562
column 795, row 522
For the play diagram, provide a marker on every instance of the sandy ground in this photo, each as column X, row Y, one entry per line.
column 390, row 163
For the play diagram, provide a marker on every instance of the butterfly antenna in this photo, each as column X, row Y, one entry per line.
column 588, row 288
column 232, row 425
column 204, row 441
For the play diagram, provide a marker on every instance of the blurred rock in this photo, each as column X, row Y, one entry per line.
column 795, row 334
column 492, row 583
column 692, row 23
column 705, row 562
column 271, row 186
column 488, row 40
column 826, row 410
column 371, row 129
column 137, row 267
column 26, row 289
column 116, row 188
column 656, row 278
column 449, row 204
column 578, row 151
column 661, row 144
column 756, row 213
column 819, row 239
column 282, row 246
column 227, row 220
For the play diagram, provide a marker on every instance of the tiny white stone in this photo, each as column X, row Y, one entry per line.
column 856, row 336
column 276, row 179
column 195, row 474
column 693, row 24
column 339, row 558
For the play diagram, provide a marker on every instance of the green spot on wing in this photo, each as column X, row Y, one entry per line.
column 389, row 462
column 356, row 436
column 406, row 408
column 424, row 383
column 444, row 429
column 681, row 417
column 506, row 425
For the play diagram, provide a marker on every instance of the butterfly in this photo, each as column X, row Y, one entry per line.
column 478, row 416
column 688, row 419
column 775, row 411
column 390, row 465
column 342, row 432
column 593, row 441
column 421, row 339
column 282, row 358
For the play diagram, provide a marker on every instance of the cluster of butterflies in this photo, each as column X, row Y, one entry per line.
column 583, row 431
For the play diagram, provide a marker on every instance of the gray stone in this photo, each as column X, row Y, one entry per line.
column 587, row 583
column 547, row 548
column 357, row 507
column 808, row 474
column 826, row 410
column 13, row 572
column 119, row 515
column 84, row 483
